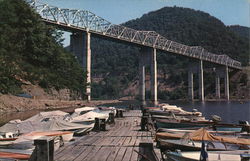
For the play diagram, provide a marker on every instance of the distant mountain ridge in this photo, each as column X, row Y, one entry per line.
column 117, row 64
column 242, row 31
column 194, row 28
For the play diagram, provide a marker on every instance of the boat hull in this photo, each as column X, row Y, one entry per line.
column 194, row 146
column 174, row 124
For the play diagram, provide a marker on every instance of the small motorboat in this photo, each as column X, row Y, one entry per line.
column 210, row 130
column 89, row 117
column 65, row 135
column 190, row 145
column 192, row 141
column 81, row 111
column 178, row 117
column 187, row 123
column 238, row 155
column 26, row 141
column 166, row 108
column 50, row 124
column 7, row 138
column 13, row 154
column 6, row 141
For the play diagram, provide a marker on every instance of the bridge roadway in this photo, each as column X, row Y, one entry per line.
column 119, row 143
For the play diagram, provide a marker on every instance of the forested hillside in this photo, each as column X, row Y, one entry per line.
column 32, row 52
column 242, row 31
column 115, row 66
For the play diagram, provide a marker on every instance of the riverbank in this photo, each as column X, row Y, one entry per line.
column 10, row 103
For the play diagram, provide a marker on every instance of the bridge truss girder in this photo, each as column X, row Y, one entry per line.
column 90, row 22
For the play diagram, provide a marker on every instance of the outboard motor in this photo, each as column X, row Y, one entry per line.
column 245, row 126
column 216, row 118
column 241, row 122
column 194, row 110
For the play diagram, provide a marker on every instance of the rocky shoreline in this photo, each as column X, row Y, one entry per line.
column 10, row 103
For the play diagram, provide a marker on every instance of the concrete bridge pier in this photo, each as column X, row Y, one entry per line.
column 222, row 72
column 190, row 84
column 153, row 77
column 148, row 58
column 201, row 81
column 142, row 87
column 226, row 79
column 80, row 46
column 217, row 86
column 194, row 68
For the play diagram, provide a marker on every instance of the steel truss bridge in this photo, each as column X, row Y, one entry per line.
column 89, row 22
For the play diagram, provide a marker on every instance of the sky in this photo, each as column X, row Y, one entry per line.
column 230, row 12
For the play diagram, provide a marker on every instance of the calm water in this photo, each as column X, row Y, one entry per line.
column 230, row 112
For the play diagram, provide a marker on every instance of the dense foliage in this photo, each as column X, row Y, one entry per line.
column 242, row 31
column 117, row 64
column 32, row 51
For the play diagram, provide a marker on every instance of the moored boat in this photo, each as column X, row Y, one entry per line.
column 81, row 111
column 212, row 155
column 14, row 154
column 190, row 145
column 66, row 135
column 26, row 141
column 180, row 123
column 6, row 141
column 189, row 141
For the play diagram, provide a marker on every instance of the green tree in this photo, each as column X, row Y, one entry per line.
column 33, row 51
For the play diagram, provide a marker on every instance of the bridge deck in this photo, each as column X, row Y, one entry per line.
column 119, row 143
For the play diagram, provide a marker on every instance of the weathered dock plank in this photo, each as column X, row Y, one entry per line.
column 83, row 155
column 120, row 154
column 118, row 143
column 113, row 153
column 128, row 154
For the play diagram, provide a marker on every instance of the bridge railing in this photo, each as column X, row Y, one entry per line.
column 88, row 21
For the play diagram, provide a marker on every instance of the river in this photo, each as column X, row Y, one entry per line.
column 230, row 112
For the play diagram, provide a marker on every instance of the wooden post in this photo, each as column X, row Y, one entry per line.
column 111, row 118
column 102, row 125
column 44, row 149
column 121, row 113
column 144, row 121
column 245, row 157
column 97, row 124
column 117, row 113
column 145, row 112
column 146, row 152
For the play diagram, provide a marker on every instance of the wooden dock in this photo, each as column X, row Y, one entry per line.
column 119, row 143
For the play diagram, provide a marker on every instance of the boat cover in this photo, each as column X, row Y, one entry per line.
column 35, row 135
column 48, row 133
column 17, row 127
column 202, row 134
column 175, row 109
column 80, row 111
column 85, row 109
column 90, row 116
column 48, row 125
column 49, row 115
column 55, row 125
